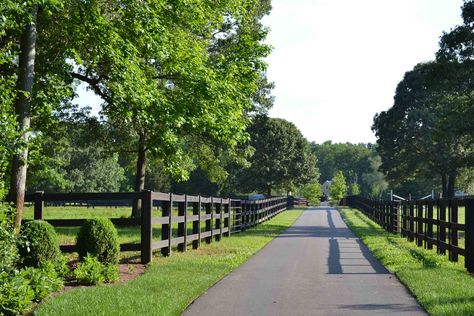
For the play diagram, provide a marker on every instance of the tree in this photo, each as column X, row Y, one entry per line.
column 21, row 53
column 425, row 132
column 282, row 159
column 351, row 159
column 373, row 182
column 196, row 76
column 312, row 192
column 338, row 187
column 165, row 70
column 356, row 161
column 354, row 189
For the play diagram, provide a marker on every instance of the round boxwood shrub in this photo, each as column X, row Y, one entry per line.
column 39, row 244
column 99, row 238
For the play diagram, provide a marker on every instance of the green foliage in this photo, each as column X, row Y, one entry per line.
column 16, row 294
column 93, row 272
column 338, row 186
column 354, row 189
column 85, row 165
column 431, row 105
column 8, row 251
column 358, row 162
column 174, row 282
column 440, row 286
column 41, row 244
column 282, row 160
column 43, row 281
column 312, row 192
column 98, row 237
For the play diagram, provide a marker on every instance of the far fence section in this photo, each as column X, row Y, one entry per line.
column 185, row 219
column 447, row 224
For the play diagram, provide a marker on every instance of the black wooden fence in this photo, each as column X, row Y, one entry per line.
column 429, row 223
column 211, row 217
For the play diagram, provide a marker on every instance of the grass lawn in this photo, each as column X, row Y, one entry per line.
column 440, row 286
column 170, row 284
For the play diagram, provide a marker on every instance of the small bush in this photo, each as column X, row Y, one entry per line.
column 43, row 281
column 93, row 272
column 16, row 294
column 41, row 244
column 99, row 238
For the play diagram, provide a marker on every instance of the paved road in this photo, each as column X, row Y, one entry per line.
column 316, row 267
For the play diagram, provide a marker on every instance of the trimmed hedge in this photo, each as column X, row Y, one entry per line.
column 39, row 244
column 99, row 238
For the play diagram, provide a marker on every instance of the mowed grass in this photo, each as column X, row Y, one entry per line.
column 440, row 286
column 170, row 284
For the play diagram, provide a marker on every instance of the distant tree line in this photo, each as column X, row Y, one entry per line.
column 426, row 140
column 355, row 165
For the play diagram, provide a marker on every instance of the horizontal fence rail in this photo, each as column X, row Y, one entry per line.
column 447, row 224
column 208, row 218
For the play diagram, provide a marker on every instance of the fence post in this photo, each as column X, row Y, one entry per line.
column 182, row 229
column 442, row 226
column 469, row 259
column 429, row 228
column 228, row 219
column 392, row 216
column 419, row 224
column 209, row 211
column 453, row 254
column 197, row 224
column 166, row 229
column 411, row 221
column 38, row 208
column 219, row 220
column 146, row 229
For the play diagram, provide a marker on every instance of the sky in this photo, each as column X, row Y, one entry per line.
column 336, row 64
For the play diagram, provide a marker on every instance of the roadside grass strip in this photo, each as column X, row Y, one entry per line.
column 440, row 286
column 170, row 284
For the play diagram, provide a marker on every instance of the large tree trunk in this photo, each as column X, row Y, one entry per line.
column 444, row 186
column 451, row 184
column 26, row 75
column 140, row 175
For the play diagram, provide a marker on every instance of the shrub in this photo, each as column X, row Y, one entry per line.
column 93, row 272
column 42, row 281
column 99, row 238
column 16, row 294
column 8, row 249
column 41, row 245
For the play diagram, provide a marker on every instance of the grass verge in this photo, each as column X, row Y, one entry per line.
column 170, row 284
column 440, row 286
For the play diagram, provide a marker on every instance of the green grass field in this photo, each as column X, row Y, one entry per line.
column 170, row 284
column 441, row 287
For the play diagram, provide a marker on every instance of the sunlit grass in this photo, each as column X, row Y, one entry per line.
column 171, row 284
column 441, row 287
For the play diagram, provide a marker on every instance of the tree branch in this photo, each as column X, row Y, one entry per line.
column 93, row 83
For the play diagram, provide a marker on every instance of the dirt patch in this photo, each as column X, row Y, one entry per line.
column 128, row 271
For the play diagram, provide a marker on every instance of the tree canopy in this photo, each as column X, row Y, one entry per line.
column 166, row 71
column 282, row 159
column 425, row 132
column 338, row 188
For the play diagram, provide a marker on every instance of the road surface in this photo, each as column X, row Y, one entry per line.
column 316, row 267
